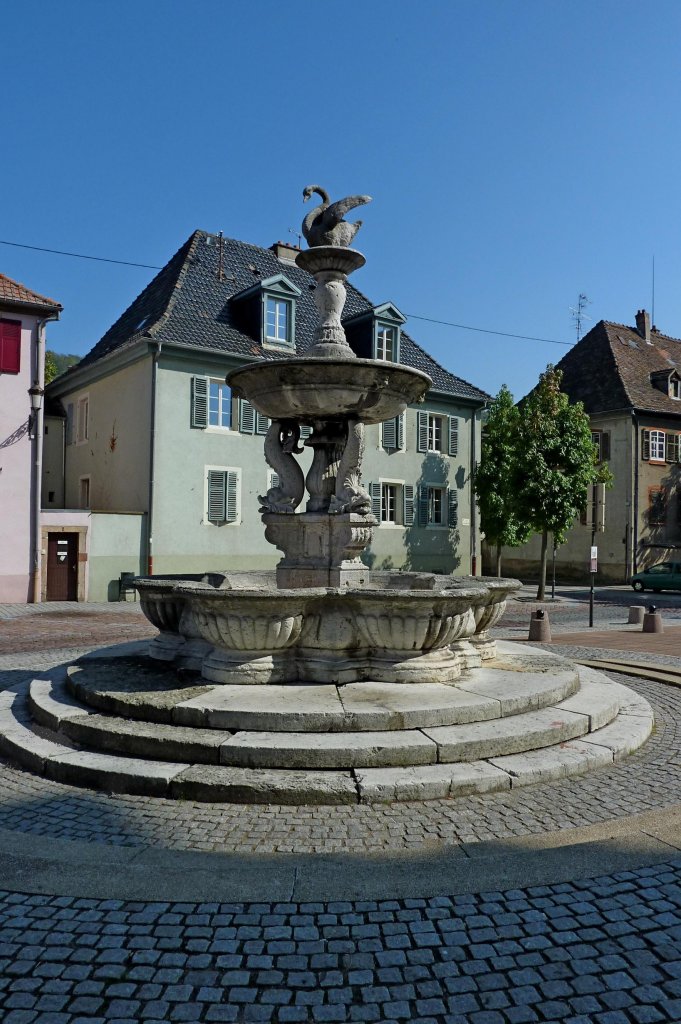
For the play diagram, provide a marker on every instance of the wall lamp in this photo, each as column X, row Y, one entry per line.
column 36, row 395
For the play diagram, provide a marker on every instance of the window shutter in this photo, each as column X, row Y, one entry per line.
column 452, row 507
column 645, row 444
column 261, row 423
column 453, row 435
column 10, row 346
column 230, row 486
column 423, row 506
column 69, row 423
column 375, row 495
column 672, row 448
column 273, row 480
column 305, row 432
column 217, row 510
column 246, row 417
column 422, row 432
column 605, row 445
column 400, row 431
column 389, row 430
column 408, row 504
column 199, row 401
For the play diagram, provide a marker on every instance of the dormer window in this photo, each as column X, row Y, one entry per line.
column 668, row 382
column 375, row 333
column 675, row 387
column 267, row 312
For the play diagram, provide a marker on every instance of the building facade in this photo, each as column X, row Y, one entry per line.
column 629, row 379
column 153, row 431
column 23, row 315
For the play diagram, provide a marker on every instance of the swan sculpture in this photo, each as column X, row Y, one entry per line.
column 325, row 225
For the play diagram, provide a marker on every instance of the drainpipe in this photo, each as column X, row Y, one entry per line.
column 152, row 444
column 474, row 508
column 39, row 379
column 634, row 504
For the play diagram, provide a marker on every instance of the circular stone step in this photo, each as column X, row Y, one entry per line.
column 142, row 689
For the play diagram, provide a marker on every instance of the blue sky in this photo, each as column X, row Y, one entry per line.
column 519, row 152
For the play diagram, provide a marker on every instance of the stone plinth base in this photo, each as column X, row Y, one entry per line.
column 320, row 550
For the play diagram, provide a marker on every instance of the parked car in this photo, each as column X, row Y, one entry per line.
column 665, row 576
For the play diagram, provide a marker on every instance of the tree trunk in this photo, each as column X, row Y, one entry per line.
column 499, row 560
column 542, row 566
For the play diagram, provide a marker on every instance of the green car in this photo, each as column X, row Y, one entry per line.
column 665, row 576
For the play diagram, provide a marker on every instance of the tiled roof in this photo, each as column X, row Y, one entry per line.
column 14, row 294
column 610, row 369
column 186, row 304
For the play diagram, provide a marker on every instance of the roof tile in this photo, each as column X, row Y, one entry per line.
column 15, row 294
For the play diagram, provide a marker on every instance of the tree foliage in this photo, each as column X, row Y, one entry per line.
column 496, row 478
column 559, row 462
column 56, row 363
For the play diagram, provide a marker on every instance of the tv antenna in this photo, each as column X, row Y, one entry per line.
column 297, row 235
column 577, row 313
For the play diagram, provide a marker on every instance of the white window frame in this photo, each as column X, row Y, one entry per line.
column 675, row 388
column 221, row 469
column 386, row 339
column 222, row 387
column 84, row 490
column 83, row 419
column 436, row 423
column 435, row 490
column 657, row 445
column 278, row 337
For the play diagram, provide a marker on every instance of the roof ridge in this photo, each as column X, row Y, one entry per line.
column 33, row 297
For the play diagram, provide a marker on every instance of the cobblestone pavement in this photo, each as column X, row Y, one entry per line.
column 606, row 951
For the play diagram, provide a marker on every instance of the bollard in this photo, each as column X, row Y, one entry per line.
column 635, row 614
column 652, row 620
column 540, row 627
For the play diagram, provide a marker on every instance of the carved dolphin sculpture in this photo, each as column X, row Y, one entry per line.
column 325, row 225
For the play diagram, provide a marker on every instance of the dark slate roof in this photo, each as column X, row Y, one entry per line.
column 610, row 369
column 14, row 294
column 187, row 305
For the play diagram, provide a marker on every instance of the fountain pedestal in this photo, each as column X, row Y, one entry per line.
column 320, row 550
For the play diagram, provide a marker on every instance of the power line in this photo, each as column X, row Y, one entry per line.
column 80, row 256
column 412, row 316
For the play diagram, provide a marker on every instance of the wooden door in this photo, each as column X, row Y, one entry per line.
column 62, row 567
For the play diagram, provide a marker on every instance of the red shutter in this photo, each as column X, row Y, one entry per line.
column 10, row 346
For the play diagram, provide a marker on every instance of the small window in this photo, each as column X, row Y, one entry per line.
column 673, row 448
column 675, row 387
column 386, row 342
column 278, row 320
column 219, row 405
column 392, row 503
column 601, row 439
column 657, row 440
column 222, row 496
column 84, row 492
column 82, row 420
column 438, row 506
column 10, row 346
column 437, row 433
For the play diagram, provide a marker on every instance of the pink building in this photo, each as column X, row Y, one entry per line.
column 23, row 315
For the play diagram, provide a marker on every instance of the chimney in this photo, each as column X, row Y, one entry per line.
column 643, row 325
column 285, row 252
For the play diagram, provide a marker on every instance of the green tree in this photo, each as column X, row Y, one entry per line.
column 497, row 475
column 56, row 363
column 51, row 370
column 559, row 463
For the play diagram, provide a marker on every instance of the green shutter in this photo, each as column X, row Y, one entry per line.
column 423, row 506
column 231, row 489
column 399, row 421
column 261, row 423
column 305, row 432
column 453, row 435
column 408, row 504
column 199, row 401
column 605, row 445
column 389, row 430
column 645, row 445
column 375, row 495
column 452, row 507
column 217, row 506
column 422, row 432
column 246, row 417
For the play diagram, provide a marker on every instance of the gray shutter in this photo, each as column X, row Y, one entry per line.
column 399, row 420
column 246, row 417
column 408, row 504
column 423, row 506
column 452, row 507
column 217, row 506
column 422, row 432
column 645, row 444
column 199, row 401
column 305, row 432
column 672, row 448
column 375, row 495
column 605, row 445
column 274, row 479
column 261, row 423
column 69, row 423
column 453, row 435
column 230, row 487
column 389, row 429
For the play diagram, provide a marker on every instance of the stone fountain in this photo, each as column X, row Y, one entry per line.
column 324, row 617
column 321, row 682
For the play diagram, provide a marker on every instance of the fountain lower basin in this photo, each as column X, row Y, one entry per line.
column 238, row 628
